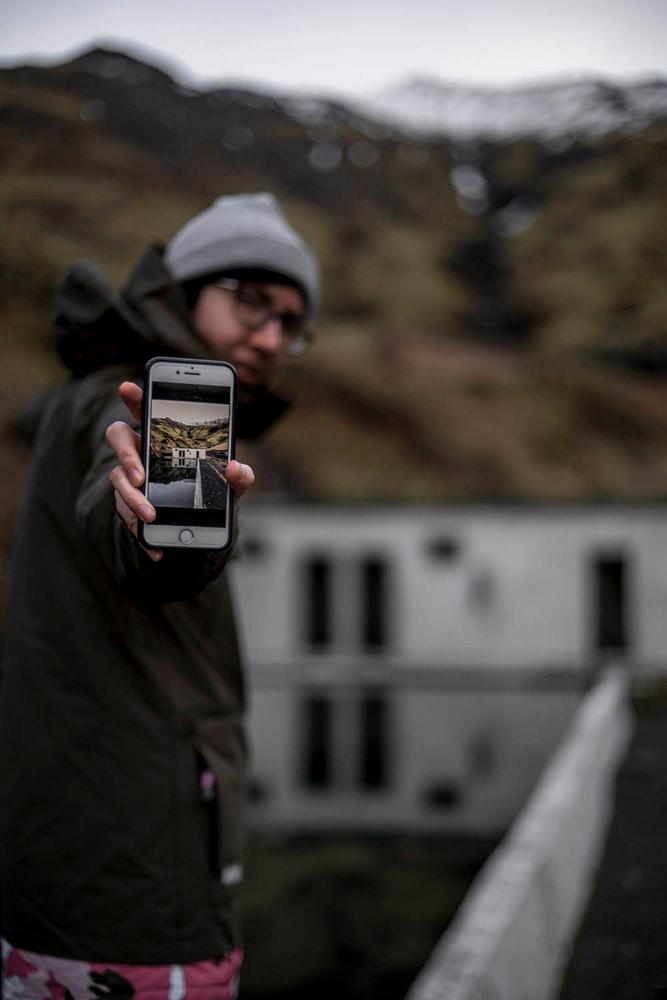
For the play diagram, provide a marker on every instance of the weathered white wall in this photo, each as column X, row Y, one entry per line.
column 503, row 672
column 536, row 561
column 514, row 931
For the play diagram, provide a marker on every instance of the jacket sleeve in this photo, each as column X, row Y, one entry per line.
column 179, row 574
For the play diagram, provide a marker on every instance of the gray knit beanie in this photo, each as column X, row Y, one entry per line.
column 244, row 231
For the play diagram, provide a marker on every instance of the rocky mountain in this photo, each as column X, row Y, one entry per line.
column 494, row 316
column 167, row 434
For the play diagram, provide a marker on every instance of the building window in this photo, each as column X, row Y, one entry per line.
column 257, row 791
column 345, row 603
column 345, row 741
column 374, row 603
column 318, row 601
column 373, row 742
column 317, row 755
column 255, row 548
column 443, row 795
column 610, row 603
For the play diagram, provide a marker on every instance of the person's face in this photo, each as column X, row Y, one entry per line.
column 257, row 354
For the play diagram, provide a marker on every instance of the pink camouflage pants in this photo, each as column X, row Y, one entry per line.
column 29, row 976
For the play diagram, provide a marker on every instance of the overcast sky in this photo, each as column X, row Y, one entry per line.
column 352, row 46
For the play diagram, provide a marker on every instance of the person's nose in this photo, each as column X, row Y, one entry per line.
column 269, row 337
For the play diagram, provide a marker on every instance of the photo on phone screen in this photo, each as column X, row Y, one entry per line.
column 189, row 449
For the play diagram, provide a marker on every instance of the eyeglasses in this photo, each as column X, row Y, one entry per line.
column 254, row 310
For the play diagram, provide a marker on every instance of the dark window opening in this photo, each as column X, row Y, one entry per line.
column 443, row 548
column 317, row 757
column 443, row 795
column 257, row 790
column 254, row 548
column 374, row 599
column 611, row 632
column 373, row 744
column 318, row 602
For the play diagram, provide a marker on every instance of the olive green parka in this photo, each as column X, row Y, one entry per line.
column 122, row 686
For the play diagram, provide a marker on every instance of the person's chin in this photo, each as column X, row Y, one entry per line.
column 249, row 390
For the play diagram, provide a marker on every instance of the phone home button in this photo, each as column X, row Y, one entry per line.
column 185, row 536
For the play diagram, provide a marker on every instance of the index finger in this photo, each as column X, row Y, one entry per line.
column 125, row 442
column 132, row 395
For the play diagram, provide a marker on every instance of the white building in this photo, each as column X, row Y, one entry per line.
column 413, row 667
column 186, row 457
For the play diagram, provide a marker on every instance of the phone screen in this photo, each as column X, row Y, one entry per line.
column 188, row 453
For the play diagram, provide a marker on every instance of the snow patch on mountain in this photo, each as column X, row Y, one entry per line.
column 578, row 107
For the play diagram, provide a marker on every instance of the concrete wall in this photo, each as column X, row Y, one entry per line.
column 516, row 591
column 490, row 639
column 513, row 934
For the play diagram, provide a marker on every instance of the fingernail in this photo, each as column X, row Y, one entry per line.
column 137, row 477
column 147, row 513
column 155, row 556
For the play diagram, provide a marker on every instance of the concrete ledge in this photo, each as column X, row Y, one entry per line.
column 512, row 936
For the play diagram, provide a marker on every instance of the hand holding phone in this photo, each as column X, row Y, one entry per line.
column 132, row 504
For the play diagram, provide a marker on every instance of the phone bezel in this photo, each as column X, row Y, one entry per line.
column 215, row 373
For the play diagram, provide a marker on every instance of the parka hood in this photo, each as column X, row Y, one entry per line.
column 93, row 328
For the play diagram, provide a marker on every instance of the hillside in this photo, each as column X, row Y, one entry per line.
column 167, row 434
column 494, row 314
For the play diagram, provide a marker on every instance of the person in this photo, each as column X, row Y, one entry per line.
column 122, row 745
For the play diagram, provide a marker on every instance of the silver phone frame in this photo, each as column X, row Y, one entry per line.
column 167, row 370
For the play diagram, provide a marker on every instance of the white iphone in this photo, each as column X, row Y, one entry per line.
column 187, row 441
